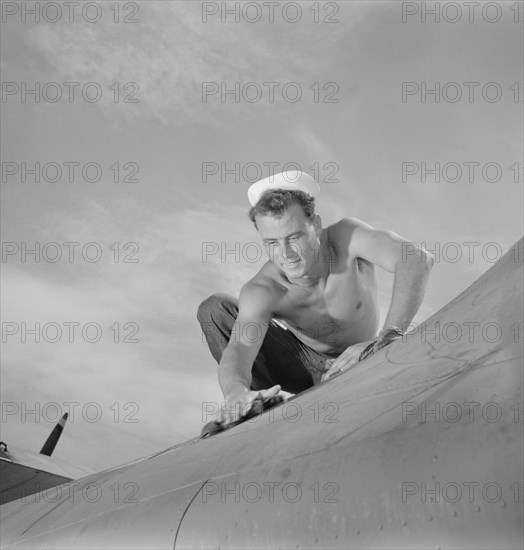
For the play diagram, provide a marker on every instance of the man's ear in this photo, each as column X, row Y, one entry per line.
column 317, row 224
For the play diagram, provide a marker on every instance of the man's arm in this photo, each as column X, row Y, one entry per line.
column 234, row 370
column 411, row 266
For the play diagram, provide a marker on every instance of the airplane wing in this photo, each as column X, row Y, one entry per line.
column 24, row 473
column 420, row 445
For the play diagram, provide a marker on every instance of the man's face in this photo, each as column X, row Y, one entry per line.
column 291, row 241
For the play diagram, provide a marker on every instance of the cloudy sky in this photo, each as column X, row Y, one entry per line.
column 147, row 124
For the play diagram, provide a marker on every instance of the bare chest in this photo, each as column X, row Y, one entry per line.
column 332, row 316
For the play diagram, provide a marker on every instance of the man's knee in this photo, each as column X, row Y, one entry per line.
column 213, row 304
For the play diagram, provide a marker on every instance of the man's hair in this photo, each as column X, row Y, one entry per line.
column 275, row 202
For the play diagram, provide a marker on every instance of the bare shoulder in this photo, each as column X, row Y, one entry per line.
column 347, row 226
column 262, row 293
column 345, row 233
column 362, row 241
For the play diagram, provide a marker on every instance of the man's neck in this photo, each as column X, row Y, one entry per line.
column 320, row 272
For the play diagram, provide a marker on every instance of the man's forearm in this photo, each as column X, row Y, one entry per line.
column 234, row 370
column 409, row 287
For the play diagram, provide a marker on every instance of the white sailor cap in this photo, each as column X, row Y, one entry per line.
column 292, row 179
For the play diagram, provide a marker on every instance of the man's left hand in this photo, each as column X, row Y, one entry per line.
column 349, row 358
column 352, row 355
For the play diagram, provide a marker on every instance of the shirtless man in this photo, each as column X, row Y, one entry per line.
column 312, row 310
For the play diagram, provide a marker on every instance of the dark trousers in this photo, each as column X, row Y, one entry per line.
column 283, row 359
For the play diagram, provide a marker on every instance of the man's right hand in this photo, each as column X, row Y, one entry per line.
column 239, row 401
